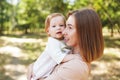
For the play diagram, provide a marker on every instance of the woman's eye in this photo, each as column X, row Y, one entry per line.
column 69, row 27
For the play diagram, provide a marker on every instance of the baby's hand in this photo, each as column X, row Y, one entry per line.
column 29, row 72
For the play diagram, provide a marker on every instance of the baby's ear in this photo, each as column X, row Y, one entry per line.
column 47, row 31
column 48, row 34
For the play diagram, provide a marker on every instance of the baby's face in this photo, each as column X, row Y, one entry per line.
column 56, row 28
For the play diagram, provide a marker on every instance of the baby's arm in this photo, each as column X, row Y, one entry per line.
column 57, row 50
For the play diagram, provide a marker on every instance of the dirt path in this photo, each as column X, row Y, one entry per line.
column 14, row 60
column 14, row 67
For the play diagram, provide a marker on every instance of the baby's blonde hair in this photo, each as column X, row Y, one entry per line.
column 49, row 17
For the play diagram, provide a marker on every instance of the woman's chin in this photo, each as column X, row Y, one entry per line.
column 68, row 44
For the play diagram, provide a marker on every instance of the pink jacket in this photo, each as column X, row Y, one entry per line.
column 75, row 69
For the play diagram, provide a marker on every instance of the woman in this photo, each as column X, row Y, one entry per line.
column 83, row 33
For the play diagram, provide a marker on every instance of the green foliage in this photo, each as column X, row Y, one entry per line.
column 34, row 12
column 4, row 15
column 108, row 10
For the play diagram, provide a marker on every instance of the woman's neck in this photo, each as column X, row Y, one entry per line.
column 76, row 50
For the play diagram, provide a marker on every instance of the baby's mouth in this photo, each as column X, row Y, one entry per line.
column 59, row 32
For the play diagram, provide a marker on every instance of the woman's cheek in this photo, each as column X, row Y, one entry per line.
column 73, row 42
column 70, row 43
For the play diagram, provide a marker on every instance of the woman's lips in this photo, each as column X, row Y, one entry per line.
column 66, row 40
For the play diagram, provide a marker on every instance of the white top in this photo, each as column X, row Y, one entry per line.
column 53, row 54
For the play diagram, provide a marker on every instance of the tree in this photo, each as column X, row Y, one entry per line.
column 34, row 12
column 108, row 10
column 4, row 15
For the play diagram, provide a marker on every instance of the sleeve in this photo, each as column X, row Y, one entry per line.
column 39, row 70
column 78, row 71
column 55, row 49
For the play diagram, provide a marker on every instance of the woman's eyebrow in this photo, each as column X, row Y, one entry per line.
column 69, row 24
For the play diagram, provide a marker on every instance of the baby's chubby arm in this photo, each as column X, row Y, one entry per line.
column 56, row 49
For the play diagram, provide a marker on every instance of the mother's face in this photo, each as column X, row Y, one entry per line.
column 70, row 34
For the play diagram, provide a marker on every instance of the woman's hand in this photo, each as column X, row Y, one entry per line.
column 29, row 71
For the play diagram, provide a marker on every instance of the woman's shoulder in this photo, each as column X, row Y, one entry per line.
column 75, row 68
column 76, row 64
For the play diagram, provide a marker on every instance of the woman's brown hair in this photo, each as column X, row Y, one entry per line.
column 89, row 30
column 49, row 17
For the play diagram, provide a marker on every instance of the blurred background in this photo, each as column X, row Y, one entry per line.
column 22, row 35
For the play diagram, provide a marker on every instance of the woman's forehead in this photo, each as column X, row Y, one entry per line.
column 70, row 20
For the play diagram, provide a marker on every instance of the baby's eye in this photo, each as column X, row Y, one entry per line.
column 61, row 25
column 53, row 26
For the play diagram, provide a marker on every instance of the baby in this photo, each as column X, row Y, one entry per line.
column 56, row 51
